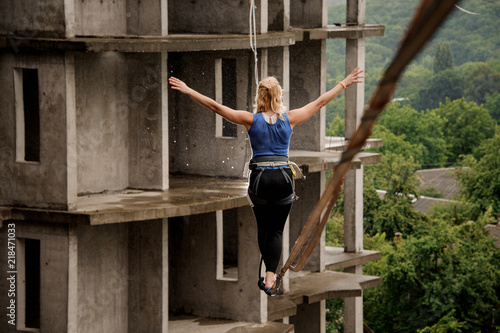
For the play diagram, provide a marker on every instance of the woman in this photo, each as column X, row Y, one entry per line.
column 270, row 187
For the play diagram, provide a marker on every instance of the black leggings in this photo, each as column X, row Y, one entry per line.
column 271, row 216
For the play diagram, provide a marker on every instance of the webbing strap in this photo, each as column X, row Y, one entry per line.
column 428, row 17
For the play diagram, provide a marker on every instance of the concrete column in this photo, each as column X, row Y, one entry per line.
column 164, row 17
column 286, row 15
column 71, row 141
column 324, row 18
column 286, row 73
column 165, row 270
column 147, row 110
column 310, row 318
column 353, row 188
column 263, row 16
column 164, row 122
column 69, row 17
column 73, row 279
column 354, row 95
column 264, row 60
column 146, row 277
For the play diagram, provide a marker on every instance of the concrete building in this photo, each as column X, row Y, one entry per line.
column 123, row 207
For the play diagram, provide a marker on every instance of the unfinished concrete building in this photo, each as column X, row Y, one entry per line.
column 123, row 206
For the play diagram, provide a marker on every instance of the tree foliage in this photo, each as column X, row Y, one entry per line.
column 443, row 58
column 479, row 180
column 441, row 274
column 444, row 275
column 466, row 126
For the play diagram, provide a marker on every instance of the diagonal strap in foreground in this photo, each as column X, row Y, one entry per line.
column 427, row 18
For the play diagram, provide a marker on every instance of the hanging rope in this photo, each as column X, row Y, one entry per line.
column 466, row 11
column 253, row 38
column 428, row 17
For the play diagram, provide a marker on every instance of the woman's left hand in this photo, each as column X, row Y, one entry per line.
column 354, row 77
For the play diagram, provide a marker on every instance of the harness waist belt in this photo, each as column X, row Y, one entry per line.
column 269, row 158
column 273, row 161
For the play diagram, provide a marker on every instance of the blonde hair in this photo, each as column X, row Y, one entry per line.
column 269, row 97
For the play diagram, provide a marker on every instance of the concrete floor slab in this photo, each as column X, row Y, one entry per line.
column 191, row 324
column 316, row 161
column 187, row 195
column 336, row 258
column 311, row 287
column 170, row 43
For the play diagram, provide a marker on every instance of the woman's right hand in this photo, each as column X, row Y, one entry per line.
column 178, row 85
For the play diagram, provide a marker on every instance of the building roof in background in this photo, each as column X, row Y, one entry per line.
column 441, row 179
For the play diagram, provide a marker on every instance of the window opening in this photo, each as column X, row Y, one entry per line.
column 227, row 245
column 29, row 278
column 27, row 115
column 225, row 93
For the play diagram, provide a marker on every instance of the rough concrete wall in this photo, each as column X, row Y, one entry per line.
column 305, row 86
column 102, row 278
column 53, row 272
column 275, row 63
column 306, row 14
column 193, row 285
column 145, row 277
column 144, row 17
column 275, row 15
column 32, row 18
column 309, row 318
column 145, row 120
column 208, row 16
column 193, row 147
column 102, row 121
column 41, row 184
column 100, row 18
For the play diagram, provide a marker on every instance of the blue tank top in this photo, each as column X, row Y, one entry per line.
column 270, row 139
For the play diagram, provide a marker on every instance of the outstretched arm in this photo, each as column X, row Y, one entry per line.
column 238, row 117
column 298, row 116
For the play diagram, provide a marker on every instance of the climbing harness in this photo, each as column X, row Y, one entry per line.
column 262, row 163
column 428, row 17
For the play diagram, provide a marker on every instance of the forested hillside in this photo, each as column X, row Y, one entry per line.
column 443, row 273
column 473, row 39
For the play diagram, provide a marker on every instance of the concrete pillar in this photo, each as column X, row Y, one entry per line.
column 69, row 17
column 72, row 279
column 353, row 188
column 146, row 277
column 286, row 15
column 147, row 108
column 71, row 141
column 310, row 318
column 164, row 17
column 165, row 271
column 263, row 16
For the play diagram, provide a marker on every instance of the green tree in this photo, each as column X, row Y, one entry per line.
column 431, row 138
column 443, row 58
column 493, row 106
column 466, row 126
column 479, row 181
column 396, row 144
column 447, row 324
column 444, row 84
column 395, row 175
column 440, row 274
column 336, row 127
column 482, row 81
column 423, row 130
